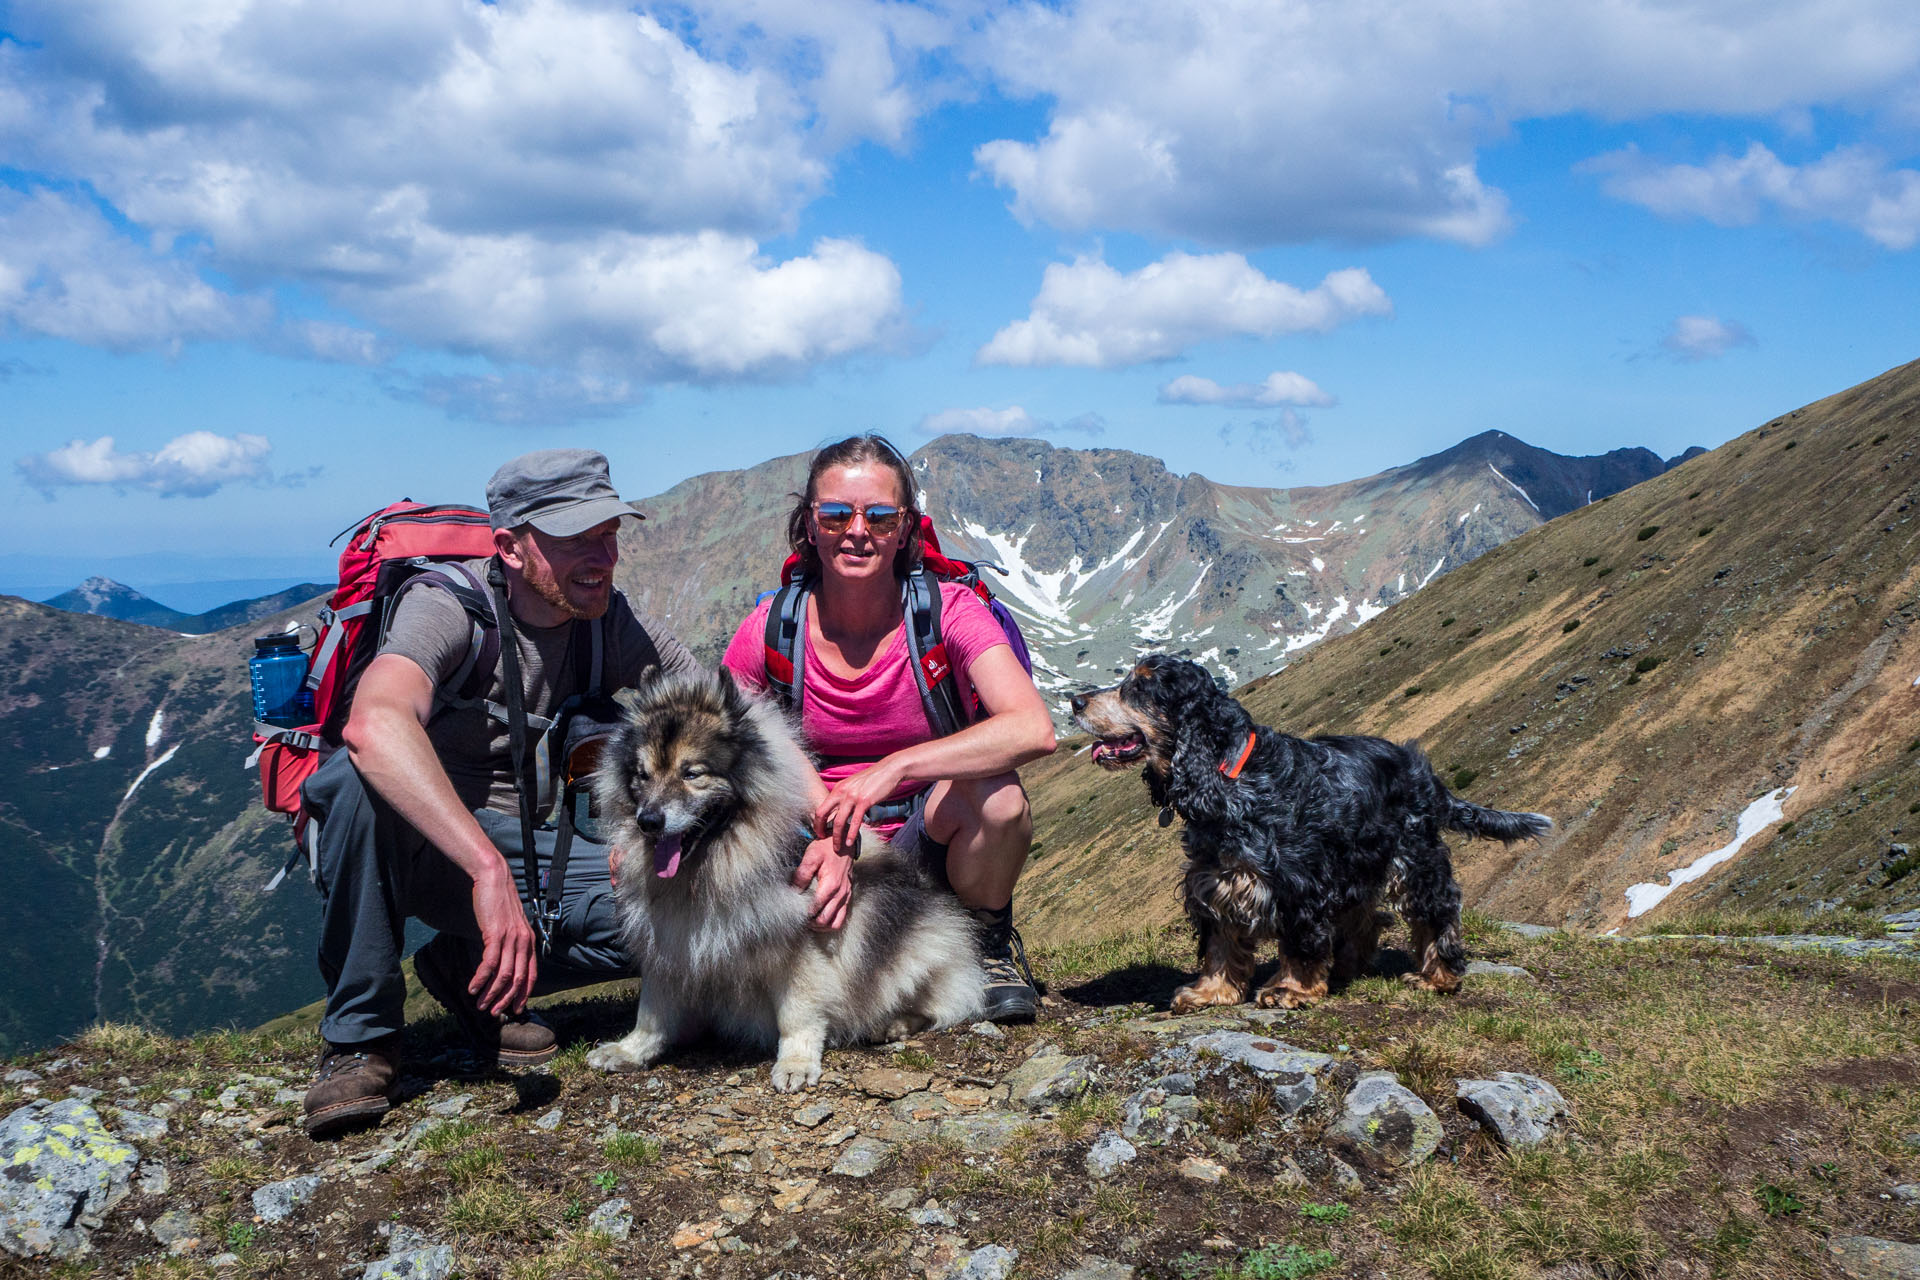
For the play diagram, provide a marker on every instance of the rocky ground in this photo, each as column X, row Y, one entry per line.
column 1580, row 1108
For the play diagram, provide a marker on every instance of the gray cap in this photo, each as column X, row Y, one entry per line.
column 558, row 491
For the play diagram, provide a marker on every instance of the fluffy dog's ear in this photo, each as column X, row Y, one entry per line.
column 1208, row 726
column 731, row 698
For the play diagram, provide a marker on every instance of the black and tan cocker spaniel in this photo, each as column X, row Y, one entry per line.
column 1291, row 840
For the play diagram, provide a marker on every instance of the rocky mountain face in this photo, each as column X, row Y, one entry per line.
column 1108, row 554
column 1710, row 681
column 105, row 598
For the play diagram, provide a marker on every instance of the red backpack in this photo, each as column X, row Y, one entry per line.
column 387, row 552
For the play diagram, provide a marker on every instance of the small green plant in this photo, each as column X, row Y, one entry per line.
column 1413, row 690
column 1571, row 624
column 1646, row 531
column 1384, row 652
column 1604, row 571
column 1696, row 493
column 1325, row 1212
column 1446, row 622
column 635, row 1150
column 474, row 1164
column 1532, row 574
column 1791, row 444
column 1777, row 1201
column 1589, row 562
column 1901, row 868
column 446, row 1137
column 915, row 1060
column 1463, row 778
column 1648, row 663
column 1881, row 438
column 1705, row 529
column 606, row 1180
column 1786, row 828
column 240, row 1236
column 576, row 1209
column 1914, row 807
column 1277, row 1262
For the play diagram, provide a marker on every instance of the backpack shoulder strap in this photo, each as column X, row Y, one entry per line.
column 932, row 671
column 469, row 682
column 786, row 643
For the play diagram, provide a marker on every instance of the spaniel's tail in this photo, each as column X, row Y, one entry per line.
column 1494, row 824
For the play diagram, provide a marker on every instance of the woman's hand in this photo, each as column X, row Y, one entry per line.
column 830, row 872
column 839, row 815
column 614, row 856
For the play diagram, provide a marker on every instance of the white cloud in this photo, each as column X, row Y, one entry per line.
column 1089, row 314
column 1279, row 388
column 1012, row 421
column 66, row 273
column 518, row 397
column 1853, row 186
column 1257, row 123
column 1271, row 438
column 191, row 465
column 559, row 183
column 1704, row 337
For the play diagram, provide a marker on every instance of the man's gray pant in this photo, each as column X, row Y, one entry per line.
column 375, row 871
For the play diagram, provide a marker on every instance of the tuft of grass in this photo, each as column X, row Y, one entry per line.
column 1532, row 574
column 1646, row 532
column 1326, row 1212
column 1413, row 691
column 475, row 1164
column 1604, row 572
column 1279, row 1262
column 236, row 1171
column 633, row 1150
column 1589, row 562
column 1647, row 663
column 123, row 1041
column 448, row 1137
column 1777, row 1201
column 915, row 1060
column 1881, row 438
column 1447, row 622
column 1463, row 778
column 1571, row 625
column 497, row 1208
column 1705, row 529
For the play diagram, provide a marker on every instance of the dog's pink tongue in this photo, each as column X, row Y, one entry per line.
column 666, row 856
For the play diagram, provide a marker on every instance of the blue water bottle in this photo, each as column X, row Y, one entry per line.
column 278, row 670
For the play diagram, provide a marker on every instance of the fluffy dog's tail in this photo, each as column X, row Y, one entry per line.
column 1494, row 824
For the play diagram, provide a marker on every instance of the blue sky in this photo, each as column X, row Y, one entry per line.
column 266, row 266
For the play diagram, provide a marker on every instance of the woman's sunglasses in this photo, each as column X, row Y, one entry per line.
column 835, row 518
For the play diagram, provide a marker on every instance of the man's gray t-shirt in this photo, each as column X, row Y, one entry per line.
column 432, row 629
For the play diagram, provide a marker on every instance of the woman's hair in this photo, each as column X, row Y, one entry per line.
column 855, row 451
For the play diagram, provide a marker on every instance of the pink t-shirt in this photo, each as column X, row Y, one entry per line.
column 878, row 712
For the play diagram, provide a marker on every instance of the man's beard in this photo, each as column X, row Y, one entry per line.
column 548, row 588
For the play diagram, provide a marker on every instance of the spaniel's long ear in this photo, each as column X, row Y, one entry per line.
column 1206, row 723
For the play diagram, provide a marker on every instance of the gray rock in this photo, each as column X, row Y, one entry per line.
column 990, row 1030
column 284, row 1098
column 982, row 1131
column 1519, row 1110
column 174, row 1224
column 1908, row 1192
column 1387, row 1120
column 20, row 1075
column 138, row 1127
column 897, row 1199
column 228, row 1259
column 551, row 1120
column 65, row 1172
column 1096, row 1268
column 613, row 1218
column 1165, row 1111
column 1201, row 1169
column 454, row 1106
column 1294, row 1074
column 1911, row 1140
column 1488, row 969
column 277, row 1200
column 432, row 1263
column 812, row 1117
column 1343, row 1175
column 82, row 1092
column 933, row 1214
column 152, row 1179
column 1048, row 1078
column 1110, row 1153
column 863, row 1157
column 1528, row 930
column 989, row 1263
column 923, row 1105
column 1289, row 1174
column 1868, row 1258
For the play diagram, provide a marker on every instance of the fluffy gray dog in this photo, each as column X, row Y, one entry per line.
column 707, row 788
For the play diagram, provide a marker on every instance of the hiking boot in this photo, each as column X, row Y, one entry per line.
column 1010, row 993
column 445, row 967
column 351, row 1087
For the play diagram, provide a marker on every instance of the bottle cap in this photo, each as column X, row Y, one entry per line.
column 283, row 640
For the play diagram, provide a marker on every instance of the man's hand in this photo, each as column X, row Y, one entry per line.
column 615, row 855
column 840, row 814
column 830, row 872
column 508, row 963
